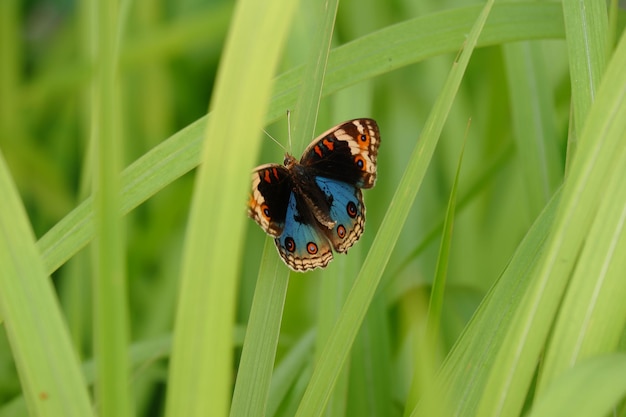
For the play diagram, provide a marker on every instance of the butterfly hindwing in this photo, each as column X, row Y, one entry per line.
column 271, row 187
column 346, row 153
column 346, row 209
column 302, row 244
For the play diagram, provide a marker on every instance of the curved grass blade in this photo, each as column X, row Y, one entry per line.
column 590, row 389
column 46, row 362
column 259, row 350
column 427, row 354
column 337, row 348
column 594, row 163
column 200, row 371
column 405, row 43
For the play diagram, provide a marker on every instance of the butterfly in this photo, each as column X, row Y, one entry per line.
column 315, row 205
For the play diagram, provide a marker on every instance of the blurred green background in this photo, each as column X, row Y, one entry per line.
column 169, row 53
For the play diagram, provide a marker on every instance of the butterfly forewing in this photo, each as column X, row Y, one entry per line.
column 347, row 153
column 271, row 188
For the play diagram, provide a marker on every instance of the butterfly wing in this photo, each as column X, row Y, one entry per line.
column 302, row 244
column 316, row 205
column 271, row 187
column 346, row 152
column 346, row 209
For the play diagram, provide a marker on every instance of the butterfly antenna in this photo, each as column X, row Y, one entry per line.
column 275, row 141
column 289, row 127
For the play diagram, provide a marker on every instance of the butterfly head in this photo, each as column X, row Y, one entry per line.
column 289, row 161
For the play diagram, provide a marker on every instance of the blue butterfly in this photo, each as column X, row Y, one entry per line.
column 315, row 205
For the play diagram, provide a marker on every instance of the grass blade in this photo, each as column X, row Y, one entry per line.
column 595, row 287
column 307, row 107
column 200, row 373
column 259, row 349
column 590, row 389
column 255, row 371
column 405, row 43
column 466, row 369
column 111, row 313
column 48, row 367
column 428, row 342
column 338, row 346
column 587, row 36
column 593, row 164
column 533, row 121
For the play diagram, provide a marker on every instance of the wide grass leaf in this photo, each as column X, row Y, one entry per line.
column 46, row 362
column 595, row 162
column 336, row 350
column 200, row 373
column 377, row 53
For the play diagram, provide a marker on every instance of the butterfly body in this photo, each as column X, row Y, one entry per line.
column 315, row 205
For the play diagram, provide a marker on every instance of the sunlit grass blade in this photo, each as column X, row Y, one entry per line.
column 594, row 163
column 108, row 268
column 48, row 367
column 371, row 366
column 337, row 279
column 420, row 38
column 466, row 369
column 587, row 36
column 288, row 370
column 428, row 351
column 477, row 183
column 435, row 304
column 253, row 380
column 591, row 318
column 592, row 388
column 11, row 57
column 307, row 106
column 259, row 350
column 200, row 370
column 140, row 356
column 340, row 341
column 533, row 123
column 203, row 29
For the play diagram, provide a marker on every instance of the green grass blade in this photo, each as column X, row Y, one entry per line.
column 307, row 107
column 593, row 164
column 109, row 268
column 11, row 57
column 48, row 367
column 428, row 343
column 477, row 183
column 140, row 356
column 200, row 373
column 533, row 123
column 420, row 38
column 591, row 318
column 340, row 342
column 466, row 369
column 288, row 370
column 435, row 305
column 515, row 21
column 371, row 365
column 255, row 371
column 587, row 36
column 590, row 389
column 259, row 350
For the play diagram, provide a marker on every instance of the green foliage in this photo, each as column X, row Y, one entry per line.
column 527, row 313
